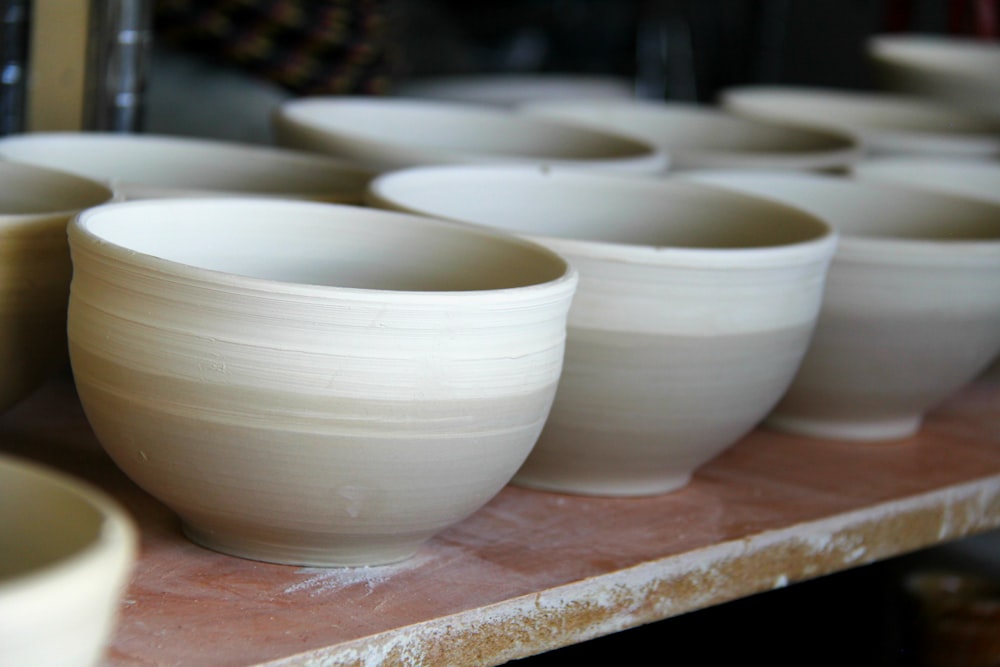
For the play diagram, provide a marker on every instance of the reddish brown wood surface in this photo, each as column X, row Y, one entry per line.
column 532, row 570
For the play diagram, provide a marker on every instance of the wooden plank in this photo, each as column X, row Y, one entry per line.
column 533, row 570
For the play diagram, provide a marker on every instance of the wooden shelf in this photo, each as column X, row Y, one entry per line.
column 533, row 571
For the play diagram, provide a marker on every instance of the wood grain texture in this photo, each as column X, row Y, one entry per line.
column 532, row 570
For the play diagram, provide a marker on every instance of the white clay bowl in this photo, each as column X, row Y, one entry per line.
column 140, row 166
column 957, row 70
column 693, row 313
column 699, row 137
column 35, row 206
column 66, row 555
column 885, row 122
column 312, row 383
column 912, row 307
column 390, row 133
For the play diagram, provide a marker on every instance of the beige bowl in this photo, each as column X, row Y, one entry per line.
column 317, row 384
column 699, row 137
column 694, row 310
column 957, row 70
column 390, row 133
column 66, row 554
column 912, row 307
column 35, row 205
column 140, row 166
column 885, row 123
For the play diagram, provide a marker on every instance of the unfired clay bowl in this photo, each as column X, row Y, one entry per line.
column 912, row 307
column 66, row 555
column 699, row 137
column 35, row 205
column 140, row 166
column 954, row 69
column 694, row 310
column 312, row 383
column 390, row 133
column 885, row 122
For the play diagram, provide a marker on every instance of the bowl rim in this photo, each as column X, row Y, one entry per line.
column 81, row 236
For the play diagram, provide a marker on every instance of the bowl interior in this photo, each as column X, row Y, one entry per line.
column 322, row 244
column 196, row 164
column 940, row 55
column 595, row 207
column 978, row 179
column 870, row 210
column 858, row 110
column 45, row 520
column 683, row 126
column 442, row 126
column 26, row 190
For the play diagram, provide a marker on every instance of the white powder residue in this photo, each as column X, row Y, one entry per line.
column 320, row 580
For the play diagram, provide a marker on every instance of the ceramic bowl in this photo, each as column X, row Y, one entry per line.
column 311, row 383
column 700, row 137
column 66, row 555
column 885, row 122
column 510, row 90
column 390, row 133
column 140, row 166
column 693, row 313
column 957, row 70
column 35, row 205
column 912, row 306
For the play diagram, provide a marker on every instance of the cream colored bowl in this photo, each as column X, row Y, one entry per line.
column 694, row 310
column 66, row 555
column 912, row 307
column 35, row 205
column 390, row 133
column 699, row 137
column 312, row 383
column 957, row 70
column 885, row 123
column 140, row 166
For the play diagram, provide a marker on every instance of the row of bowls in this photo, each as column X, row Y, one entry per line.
column 333, row 382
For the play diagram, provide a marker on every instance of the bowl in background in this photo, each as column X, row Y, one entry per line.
column 885, row 122
column 510, row 90
column 318, row 384
column 701, row 137
column 140, row 166
column 35, row 206
column 957, row 70
column 392, row 132
column 66, row 556
column 911, row 311
column 693, row 312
